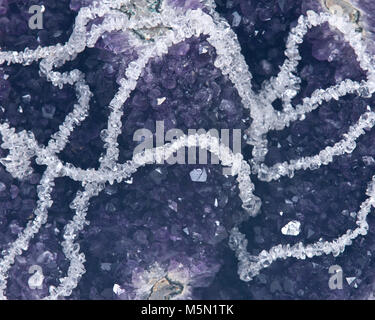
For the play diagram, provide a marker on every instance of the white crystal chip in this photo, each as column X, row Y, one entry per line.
column 292, row 228
column 161, row 100
column 198, row 175
column 117, row 289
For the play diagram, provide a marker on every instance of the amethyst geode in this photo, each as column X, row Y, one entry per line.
column 161, row 234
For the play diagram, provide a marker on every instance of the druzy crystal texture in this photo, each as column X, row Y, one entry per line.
column 84, row 217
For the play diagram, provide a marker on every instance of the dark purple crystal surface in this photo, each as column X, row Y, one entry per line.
column 162, row 221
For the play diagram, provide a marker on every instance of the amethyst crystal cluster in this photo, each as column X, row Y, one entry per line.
column 82, row 218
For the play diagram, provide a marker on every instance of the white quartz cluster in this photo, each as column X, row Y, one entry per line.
column 179, row 26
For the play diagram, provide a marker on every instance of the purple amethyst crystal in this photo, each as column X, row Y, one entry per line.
column 168, row 231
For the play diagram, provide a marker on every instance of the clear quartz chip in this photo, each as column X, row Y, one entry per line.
column 198, row 175
column 293, row 228
column 161, row 100
column 117, row 289
column 350, row 280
